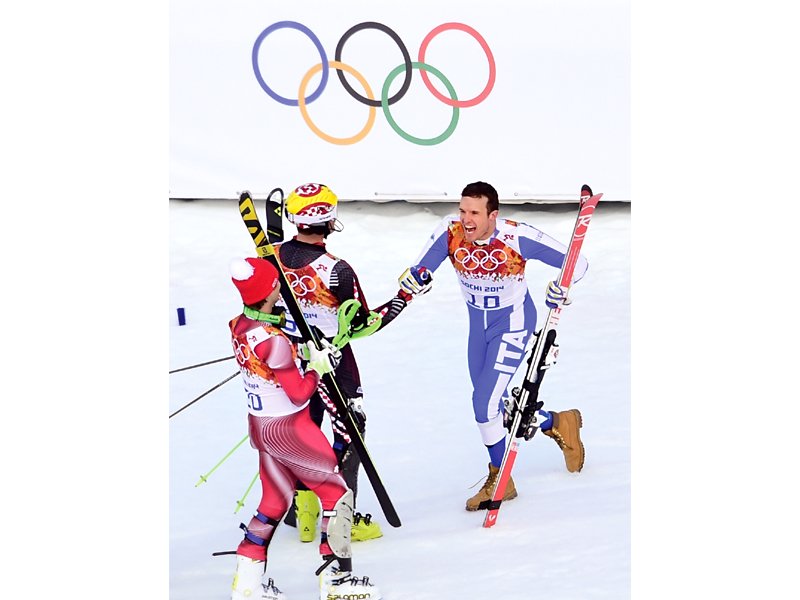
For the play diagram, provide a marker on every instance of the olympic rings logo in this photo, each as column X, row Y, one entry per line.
column 385, row 101
column 241, row 351
column 301, row 285
column 480, row 258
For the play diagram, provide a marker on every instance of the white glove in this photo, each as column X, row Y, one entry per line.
column 416, row 281
column 556, row 296
column 322, row 361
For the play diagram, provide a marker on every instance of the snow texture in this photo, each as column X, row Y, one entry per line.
column 566, row 537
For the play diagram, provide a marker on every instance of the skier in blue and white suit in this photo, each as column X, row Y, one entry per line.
column 489, row 257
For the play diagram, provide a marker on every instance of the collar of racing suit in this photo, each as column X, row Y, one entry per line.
column 257, row 315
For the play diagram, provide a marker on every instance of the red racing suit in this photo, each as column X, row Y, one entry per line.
column 290, row 445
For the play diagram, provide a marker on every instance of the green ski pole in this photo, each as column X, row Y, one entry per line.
column 204, row 478
column 240, row 502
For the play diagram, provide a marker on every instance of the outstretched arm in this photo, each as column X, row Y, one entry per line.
column 349, row 287
column 435, row 250
column 418, row 278
column 390, row 310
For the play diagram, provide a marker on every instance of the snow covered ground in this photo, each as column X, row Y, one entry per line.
column 567, row 536
column 90, row 458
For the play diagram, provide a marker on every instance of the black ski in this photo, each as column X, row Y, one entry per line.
column 275, row 216
column 266, row 250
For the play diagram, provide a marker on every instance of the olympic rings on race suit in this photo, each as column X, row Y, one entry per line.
column 301, row 285
column 480, row 258
column 369, row 100
column 241, row 351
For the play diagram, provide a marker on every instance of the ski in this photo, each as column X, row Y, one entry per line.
column 525, row 398
column 275, row 216
column 265, row 249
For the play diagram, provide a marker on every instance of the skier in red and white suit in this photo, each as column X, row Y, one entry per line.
column 290, row 445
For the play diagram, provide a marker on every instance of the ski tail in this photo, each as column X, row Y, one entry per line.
column 274, row 206
column 248, row 212
column 529, row 391
column 265, row 249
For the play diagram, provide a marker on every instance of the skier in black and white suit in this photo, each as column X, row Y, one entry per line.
column 322, row 282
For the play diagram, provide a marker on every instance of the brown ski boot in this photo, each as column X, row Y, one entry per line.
column 566, row 433
column 480, row 501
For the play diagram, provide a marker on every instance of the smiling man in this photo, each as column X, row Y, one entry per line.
column 489, row 256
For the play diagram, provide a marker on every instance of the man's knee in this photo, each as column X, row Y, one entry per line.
column 492, row 431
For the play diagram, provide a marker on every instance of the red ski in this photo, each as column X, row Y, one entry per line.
column 526, row 396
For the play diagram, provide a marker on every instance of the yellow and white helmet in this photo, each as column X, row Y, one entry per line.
column 311, row 204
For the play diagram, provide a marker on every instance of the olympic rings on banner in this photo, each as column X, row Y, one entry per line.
column 480, row 258
column 403, row 50
column 369, row 100
column 406, row 136
column 304, row 111
column 492, row 69
column 324, row 57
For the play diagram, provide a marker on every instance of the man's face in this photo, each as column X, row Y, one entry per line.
column 478, row 224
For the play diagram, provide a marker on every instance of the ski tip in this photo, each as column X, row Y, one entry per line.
column 244, row 195
column 586, row 190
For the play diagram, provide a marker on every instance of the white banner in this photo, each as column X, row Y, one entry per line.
column 400, row 100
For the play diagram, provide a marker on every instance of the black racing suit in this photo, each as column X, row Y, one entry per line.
column 342, row 285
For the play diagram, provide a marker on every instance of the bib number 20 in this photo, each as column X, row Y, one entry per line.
column 254, row 401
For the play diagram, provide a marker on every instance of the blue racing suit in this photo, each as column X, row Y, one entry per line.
column 502, row 315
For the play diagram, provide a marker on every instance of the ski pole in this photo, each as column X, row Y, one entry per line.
column 239, row 505
column 204, row 394
column 347, row 332
column 240, row 502
column 204, row 478
column 203, row 364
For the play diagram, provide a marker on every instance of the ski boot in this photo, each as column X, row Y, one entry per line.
column 339, row 585
column 364, row 528
column 480, row 501
column 271, row 592
column 307, row 515
column 248, row 582
column 566, row 433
